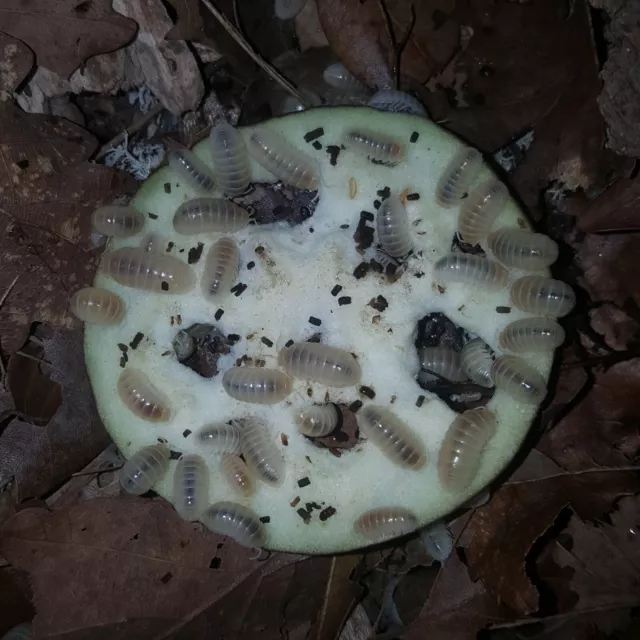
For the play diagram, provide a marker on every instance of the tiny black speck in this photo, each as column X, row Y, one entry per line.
column 137, row 339
column 316, row 322
column 367, row 215
column 379, row 303
column 153, row 216
column 316, row 145
column 186, row 433
column 250, row 265
column 169, row 247
column 166, row 577
column 288, row 343
column 503, row 309
column 23, row 164
column 325, row 514
column 413, row 196
column 305, row 515
column 233, row 338
column 336, row 290
column 344, row 226
column 175, row 455
column 420, row 401
column 361, row 270
column 376, row 204
column 342, row 300
column 333, row 152
column 304, row 482
column 195, row 253
column 414, row 137
column 123, row 347
column 162, row 440
column 167, row 187
column 164, row 286
column 265, row 519
column 266, row 341
column 355, row 406
column 219, row 314
column 314, row 135
column 123, row 361
column 368, row 392
column 419, row 274
column 384, row 193
column 311, row 229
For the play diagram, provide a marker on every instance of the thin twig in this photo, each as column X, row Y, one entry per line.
column 5, row 295
column 259, row 60
column 397, row 47
column 96, row 472
column 30, row 357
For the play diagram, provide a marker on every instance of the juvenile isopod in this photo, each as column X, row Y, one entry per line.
column 519, row 380
column 542, row 296
column 97, row 306
column 257, row 385
column 394, row 230
column 203, row 215
column 317, row 421
column 442, row 361
column 283, row 160
column 230, row 159
column 392, row 436
column 190, row 487
column 288, row 9
column 114, row 220
column 466, row 268
column 147, row 270
column 191, row 169
column 522, row 249
column 458, row 176
column 261, row 453
column 141, row 397
column 532, row 334
column 462, row 448
column 396, row 102
column 220, row 270
column 377, row 147
column 320, row 362
column 476, row 362
column 385, row 522
column 236, row 521
column 480, row 210
column 437, row 541
column 237, row 475
column 144, row 468
column 221, row 438
column 337, row 76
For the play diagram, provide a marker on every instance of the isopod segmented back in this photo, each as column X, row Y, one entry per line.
column 376, row 146
column 442, row 361
column 191, row 169
column 531, row 334
column 236, row 521
column 261, row 453
column 480, row 210
column 230, row 159
column 97, row 306
column 220, row 270
column 518, row 379
column 476, row 361
column 144, row 468
column 337, row 76
column 394, row 230
column 437, row 540
column 142, row 398
column 237, row 475
column 542, row 296
column 457, row 177
column 396, row 102
column 221, row 437
column 204, row 215
column 257, row 385
column 190, row 487
column 465, row 268
column 522, row 249
column 320, row 362
column 384, row 523
column 392, row 436
column 114, row 220
column 317, row 421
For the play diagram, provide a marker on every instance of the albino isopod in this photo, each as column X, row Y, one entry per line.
column 476, row 362
column 261, row 453
column 465, row 268
column 480, row 210
column 396, row 102
column 192, row 170
column 144, row 468
column 462, row 447
column 141, row 397
column 257, row 385
column 394, row 230
column 522, row 249
column 532, row 334
column 221, row 438
column 96, row 305
column 542, row 296
column 190, row 487
column 519, row 380
column 392, row 436
column 442, row 361
column 237, row 475
column 458, row 176
column 203, row 215
column 230, row 159
column 288, row 9
column 284, row 161
column 385, row 522
column 220, row 270
column 375, row 146
column 134, row 267
column 114, row 220
column 337, row 76
column 317, row 421
column 437, row 541
column 237, row 522
column 320, row 362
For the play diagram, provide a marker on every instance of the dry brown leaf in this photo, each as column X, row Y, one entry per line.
column 618, row 329
column 15, row 605
column 64, row 34
column 16, row 60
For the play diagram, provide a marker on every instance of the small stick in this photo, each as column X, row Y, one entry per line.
column 5, row 295
column 30, row 357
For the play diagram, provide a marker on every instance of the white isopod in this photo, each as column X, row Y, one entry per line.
column 521, row 381
column 141, row 397
column 376, row 146
column 317, row 421
column 230, row 159
column 437, row 541
column 542, row 296
column 384, row 523
column 190, row 487
column 119, row 221
column 337, row 76
column 465, row 268
column 192, row 170
column 458, row 176
column 476, row 362
column 396, row 102
column 237, row 475
column 221, row 438
column 97, row 306
column 442, row 361
column 522, row 249
column 320, row 362
column 257, row 385
column 220, row 270
column 532, row 334
column 261, row 453
column 394, row 230
column 203, row 215
column 144, row 468
column 237, row 522
column 480, row 210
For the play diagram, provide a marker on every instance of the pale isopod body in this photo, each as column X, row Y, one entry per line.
column 191, row 169
column 522, row 249
column 337, row 76
column 288, row 9
column 320, row 362
column 480, row 210
column 532, row 334
column 462, row 448
column 317, row 421
column 521, row 381
column 465, row 268
column 236, row 521
column 476, row 362
column 97, row 306
column 261, row 453
column 203, row 215
column 230, row 159
column 283, row 160
column 147, row 270
column 394, row 438
column 396, row 102
column 144, row 468
column 220, row 269
column 394, row 230
column 114, row 220
column 237, row 475
column 437, row 540
column 458, row 176
column 257, row 385
column 542, row 296
column 141, row 397
column 375, row 146
column 190, row 487
column 384, row 523
column 443, row 362
column 221, row 438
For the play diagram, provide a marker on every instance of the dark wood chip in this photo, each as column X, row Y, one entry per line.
column 288, row 343
column 250, row 265
column 420, row 401
column 376, row 204
column 170, row 247
column 167, row 187
column 413, row 196
column 503, row 309
column 265, row 519
column 153, row 216
column 368, row 392
column 137, row 339
column 295, row 501
column 233, row 338
column 361, row 270
column 284, row 438
column 355, row 406
column 316, row 322
column 342, row 300
column 336, row 290
column 414, row 137
column 344, row 226
column 266, row 341
column 305, row 515
column 239, row 289
column 367, row 215
column 326, row 513
column 186, row 433
column 379, row 303
column 195, row 253
column 164, row 285
column 218, row 314
column 384, row 193
column 304, row 482
column 123, row 347
column 333, row 152
column 175, row 455
column 314, row 135
column 317, row 145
